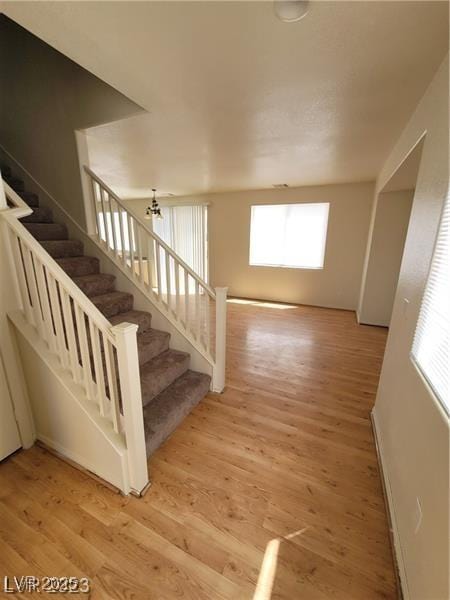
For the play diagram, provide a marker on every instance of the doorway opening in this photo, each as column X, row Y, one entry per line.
column 389, row 229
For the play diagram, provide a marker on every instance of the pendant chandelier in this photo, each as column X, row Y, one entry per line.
column 154, row 209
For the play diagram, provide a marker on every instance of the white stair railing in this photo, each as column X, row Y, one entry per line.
column 189, row 303
column 100, row 358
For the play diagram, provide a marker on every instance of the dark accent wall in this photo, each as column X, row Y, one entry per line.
column 44, row 98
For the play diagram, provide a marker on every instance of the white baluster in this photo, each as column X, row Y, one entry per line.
column 112, row 384
column 98, row 366
column 158, row 269
column 129, row 219
column 113, row 226
column 197, row 311
column 32, row 288
column 168, row 282
column 95, row 206
column 177, row 289
column 186, row 300
column 70, row 333
column 47, row 321
column 120, row 213
column 139, row 253
column 84, row 351
column 16, row 257
column 56, row 305
column 105, row 219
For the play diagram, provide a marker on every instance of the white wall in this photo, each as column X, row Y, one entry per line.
column 44, row 98
column 412, row 428
column 64, row 419
column 336, row 285
column 388, row 235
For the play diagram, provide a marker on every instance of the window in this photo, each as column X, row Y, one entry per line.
column 184, row 228
column 431, row 339
column 289, row 235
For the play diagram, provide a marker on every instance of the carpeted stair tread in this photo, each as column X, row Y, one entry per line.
column 30, row 198
column 63, row 248
column 142, row 319
column 16, row 183
column 163, row 414
column 95, row 284
column 151, row 343
column 39, row 215
column 78, row 266
column 47, row 231
column 113, row 303
column 161, row 371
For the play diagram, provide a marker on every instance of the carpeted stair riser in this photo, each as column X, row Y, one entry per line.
column 95, row 285
column 152, row 343
column 160, row 372
column 47, row 231
column 39, row 215
column 16, row 184
column 140, row 318
column 78, row 266
column 30, row 198
column 63, row 248
column 169, row 389
column 113, row 303
column 165, row 412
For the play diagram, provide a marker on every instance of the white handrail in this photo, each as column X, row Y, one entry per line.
column 152, row 234
column 100, row 358
column 164, row 277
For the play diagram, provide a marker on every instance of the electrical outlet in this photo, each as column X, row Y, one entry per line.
column 418, row 514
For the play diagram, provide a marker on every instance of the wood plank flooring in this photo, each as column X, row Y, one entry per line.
column 268, row 491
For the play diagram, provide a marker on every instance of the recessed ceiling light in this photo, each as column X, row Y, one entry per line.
column 290, row 11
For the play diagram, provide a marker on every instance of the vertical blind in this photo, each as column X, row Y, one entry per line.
column 430, row 349
column 184, row 229
column 289, row 235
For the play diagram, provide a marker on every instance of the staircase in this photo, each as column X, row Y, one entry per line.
column 169, row 388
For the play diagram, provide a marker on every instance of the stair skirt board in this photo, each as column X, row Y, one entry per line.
column 169, row 388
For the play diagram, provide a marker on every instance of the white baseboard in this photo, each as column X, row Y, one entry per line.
column 389, row 501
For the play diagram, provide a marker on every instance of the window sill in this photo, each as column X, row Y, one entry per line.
column 286, row 267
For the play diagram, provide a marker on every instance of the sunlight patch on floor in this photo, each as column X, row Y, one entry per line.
column 268, row 570
column 262, row 303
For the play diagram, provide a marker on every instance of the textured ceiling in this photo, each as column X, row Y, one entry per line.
column 238, row 100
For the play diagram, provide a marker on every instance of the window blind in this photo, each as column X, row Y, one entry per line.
column 289, row 235
column 430, row 349
column 184, row 229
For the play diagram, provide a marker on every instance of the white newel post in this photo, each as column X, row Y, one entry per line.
column 86, row 184
column 221, row 339
column 130, row 385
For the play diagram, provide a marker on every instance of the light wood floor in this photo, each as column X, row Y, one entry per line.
column 275, row 479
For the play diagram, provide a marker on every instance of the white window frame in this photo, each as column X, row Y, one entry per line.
column 287, row 266
column 431, row 377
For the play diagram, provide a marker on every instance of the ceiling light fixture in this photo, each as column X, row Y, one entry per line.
column 154, row 208
column 290, row 11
